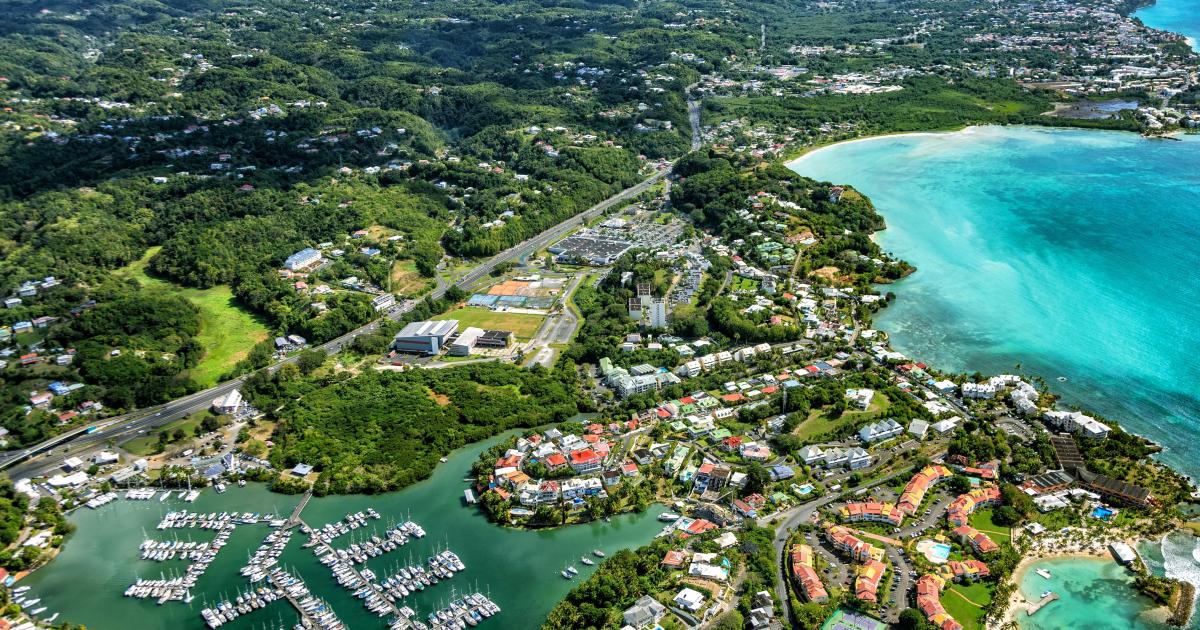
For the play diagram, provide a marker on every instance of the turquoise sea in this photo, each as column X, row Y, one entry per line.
column 1071, row 253
column 1179, row 16
column 1092, row 591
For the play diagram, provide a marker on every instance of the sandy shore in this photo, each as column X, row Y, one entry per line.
column 817, row 148
column 1051, row 548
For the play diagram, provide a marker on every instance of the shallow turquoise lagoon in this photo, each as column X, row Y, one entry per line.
column 1073, row 254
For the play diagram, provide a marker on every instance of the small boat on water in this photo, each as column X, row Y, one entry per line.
column 21, row 589
column 668, row 517
column 586, row 560
column 443, row 460
column 30, row 602
column 1062, row 379
column 1044, row 573
column 1196, row 554
column 1047, row 594
column 598, row 553
column 51, row 618
column 565, row 574
column 572, row 570
column 38, row 611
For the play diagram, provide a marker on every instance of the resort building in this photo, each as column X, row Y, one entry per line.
column 929, row 589
column 960, row 510
column 866, row 585
column 1078, row 423
column 970, row 569
column 847, row 543
column 978, row 540
column 872, row 512
column 914, row 492
column 1114, row 489
column 807, row 581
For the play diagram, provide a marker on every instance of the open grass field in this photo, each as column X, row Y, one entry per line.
column 818, row 423
column 966, row 612
column 522, row 325
column 743, row 284
column 406, row 280
column 227, row 331
column 982, row 520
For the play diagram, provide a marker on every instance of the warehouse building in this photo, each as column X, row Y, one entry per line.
column 425, row 337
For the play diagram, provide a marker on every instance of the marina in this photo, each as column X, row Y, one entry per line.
column 503, row 567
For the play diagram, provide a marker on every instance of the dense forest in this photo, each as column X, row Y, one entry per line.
column 384, row 430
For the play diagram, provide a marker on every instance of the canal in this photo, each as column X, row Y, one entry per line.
column 519, row 569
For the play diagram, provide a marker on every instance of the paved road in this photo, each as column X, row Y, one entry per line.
column 803, row 514
column 121, row 428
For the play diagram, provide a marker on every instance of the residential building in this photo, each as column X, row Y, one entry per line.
column 644, row 612
column 866, row 584
column 860, row 398
column 1078, row 423
column 880, row 431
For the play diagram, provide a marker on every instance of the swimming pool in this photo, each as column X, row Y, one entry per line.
column 1102, row 513
column 935, row 552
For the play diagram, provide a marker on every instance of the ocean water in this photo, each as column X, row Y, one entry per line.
column 1178, row 16
column 1093, row 592
column 520, row 569
column 1054, row 253
column 1068, row 253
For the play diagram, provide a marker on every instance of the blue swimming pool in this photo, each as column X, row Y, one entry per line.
column 939, row 552
column 1102, row 513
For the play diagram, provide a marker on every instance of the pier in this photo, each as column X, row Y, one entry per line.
column 1034, row 607
column 294, row 519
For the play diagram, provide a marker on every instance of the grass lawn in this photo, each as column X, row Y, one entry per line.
column 227, row 331
column 969, row 615
column 522, row 325
column 147, row 444
column 982, row 520
column 818, row 423
column 743, row 284
column 406, row 280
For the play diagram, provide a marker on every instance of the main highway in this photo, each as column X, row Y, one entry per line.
column 33, row 461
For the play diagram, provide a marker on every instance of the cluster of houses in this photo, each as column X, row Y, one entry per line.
column 28, row 289
column 637, row 379
column 584, row 455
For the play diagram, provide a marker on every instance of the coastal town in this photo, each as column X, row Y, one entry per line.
column 525, row 321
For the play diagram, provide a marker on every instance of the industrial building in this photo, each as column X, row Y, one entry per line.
column 425, row 337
